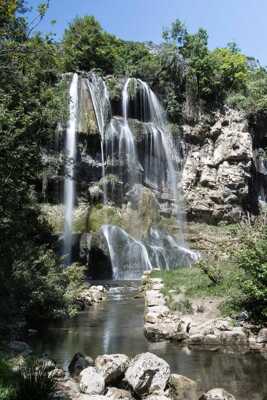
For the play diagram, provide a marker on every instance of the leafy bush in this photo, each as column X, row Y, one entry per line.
column 252, row 259
column 75, row 277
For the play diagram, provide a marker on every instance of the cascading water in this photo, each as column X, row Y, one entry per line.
column 129, row 257
column 102, row 108
column 144, row 180
column 70, row 154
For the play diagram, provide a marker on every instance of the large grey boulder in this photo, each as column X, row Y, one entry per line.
column 182, row 388
column 112, row 367
column 217, row 394
column 262, row 336
column 148, row 374
column 91, row 381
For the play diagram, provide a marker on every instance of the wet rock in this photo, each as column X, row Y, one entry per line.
column 262, row 336
column 217, row 394
column 148, row 374
column 196, row 339
column 211, row 340
column 112, row 367
column 182, row 388
column 236, row 336
column 91, row 381
column 118, row 394
column 79, row 362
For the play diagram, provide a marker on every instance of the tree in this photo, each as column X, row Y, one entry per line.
column 86, row 46
column 31, row 282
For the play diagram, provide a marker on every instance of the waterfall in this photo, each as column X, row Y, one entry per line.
column 70, row 154
column 129, row 257
column 156, row 173
column 102, row 108
column 162, row 153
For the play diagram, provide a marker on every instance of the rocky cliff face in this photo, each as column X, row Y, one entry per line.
column 218, row 165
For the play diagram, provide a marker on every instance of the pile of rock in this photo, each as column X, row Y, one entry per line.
column 160, row 322
column 163, row 324
column 146, row 376
column 92, row 295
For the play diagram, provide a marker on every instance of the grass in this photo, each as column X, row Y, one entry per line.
column 193, row 283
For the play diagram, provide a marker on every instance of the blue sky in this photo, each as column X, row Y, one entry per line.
column 243, row 21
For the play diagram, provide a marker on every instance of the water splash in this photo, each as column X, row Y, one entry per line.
column 129, row 257
column 70, row 154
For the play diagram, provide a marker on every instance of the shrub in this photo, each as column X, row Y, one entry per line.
column 34, row 381
column 252, row 259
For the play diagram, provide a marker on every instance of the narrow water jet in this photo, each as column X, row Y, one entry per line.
column 70, row 155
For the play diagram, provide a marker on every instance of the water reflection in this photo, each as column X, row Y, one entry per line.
column 116, row 326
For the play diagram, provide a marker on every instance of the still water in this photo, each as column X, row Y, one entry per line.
column 116, row 326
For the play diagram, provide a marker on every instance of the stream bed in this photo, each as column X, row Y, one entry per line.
column 116, row 326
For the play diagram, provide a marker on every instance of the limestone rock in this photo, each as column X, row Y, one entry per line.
column 217, row 168
column 154, row 298
column 236, row 336
column 148, row 374
column 112, row 367
column 262, row 336
column 118, row 394
column 91, row 381
column 217, row 394
column 182, row 388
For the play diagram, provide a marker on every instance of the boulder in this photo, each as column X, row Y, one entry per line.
column 118, row 394
column 91, row 381
column 148, row 374
column 262, row 336
column 112, row 367
column 79, row 362
column 217, row 394
column 236, row 336
column 157, row 397
column 196, row 339
column 182, row 388
column 212, row 340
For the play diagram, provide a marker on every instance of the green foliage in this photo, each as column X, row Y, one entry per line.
column 34, row 381
column 87, row 46
column 75, row 277
column 31, row 280
column 252, row 259
column 212, row 271
column 211, row 74
column 7, row 391
column 254, row 97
